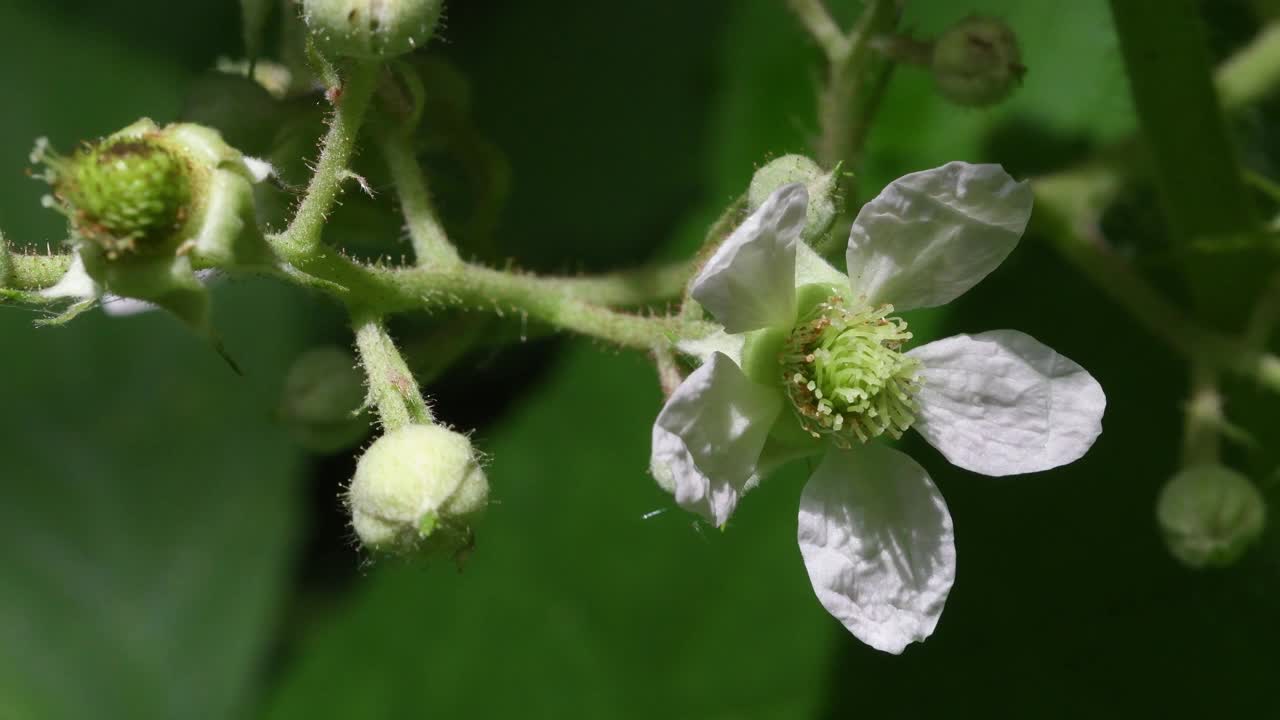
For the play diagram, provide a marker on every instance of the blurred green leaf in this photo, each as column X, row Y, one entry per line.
column 149, row 504
column 148, row 517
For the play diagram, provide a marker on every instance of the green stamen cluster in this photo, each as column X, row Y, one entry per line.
column 126, row 195
column 845, row 373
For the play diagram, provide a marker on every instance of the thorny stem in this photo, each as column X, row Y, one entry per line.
column 852, row 91
column 669, row 375
column 839, row 105
column 392, row 389
column 1069, row 206
column 1191, row 156
column 572, row 303
column 303, row 234
column 431, row 244
column 1201, row 442
column 813, row 14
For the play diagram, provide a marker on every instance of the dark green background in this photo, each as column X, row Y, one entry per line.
column 166, row 553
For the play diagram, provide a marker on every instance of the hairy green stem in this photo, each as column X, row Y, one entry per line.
column 839, row 106
column 659, row 281
column 1252, row 72
column 1196, row 170
column 572, row 303
column 392, row 388
column 1067, row 213
column 822, row 27
column 848, row 103
column 339, row 145
column 431, row 244
column 1201, row 442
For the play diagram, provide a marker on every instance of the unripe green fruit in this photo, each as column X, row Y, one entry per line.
column 129, row 194
column 371, row 29
column 790, row 169
column 417, row 488
column 977, row 62
column 322, row 400
column 148, row 203
column 1209, row 515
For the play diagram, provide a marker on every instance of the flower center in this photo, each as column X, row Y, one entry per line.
column 845, row 373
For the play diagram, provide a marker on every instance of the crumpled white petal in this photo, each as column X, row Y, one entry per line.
column 932, row 235
column 878, row 543
column 117, row 306
column 1002, row 403
column 749, row 283
column 709, row 435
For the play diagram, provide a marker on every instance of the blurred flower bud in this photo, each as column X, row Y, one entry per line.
column 976, row 62
column 417, row 488
column 322, row 401
column 371, row 29
column 1209, row 515
column 243, row 111
column 790, row 169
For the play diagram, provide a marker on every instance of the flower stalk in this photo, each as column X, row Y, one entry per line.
column 431, row 244
column 393, row 391
column 302, row 238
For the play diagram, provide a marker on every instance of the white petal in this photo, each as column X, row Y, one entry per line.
column 718, row 341
column 878, row 543
column 708, row 437
column 811, row 268
column 932, row 235
column 1001, row 403
column 749, row 283
column 259, row 169
column 117, row 306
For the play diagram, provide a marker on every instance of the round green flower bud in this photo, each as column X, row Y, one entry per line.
column 977, row 62
column 790, row 169
column 371, row 29
column 323, row 400
column 417, row 488
column 1209, row 515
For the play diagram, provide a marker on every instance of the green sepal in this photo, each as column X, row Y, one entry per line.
column 812, row 295
column 170, row 283
column 223, row 227
column 760, row 355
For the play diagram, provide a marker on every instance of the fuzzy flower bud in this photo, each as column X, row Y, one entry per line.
column 1209, row 515
column 417, row 488
column 977, row 62
column 371, row 29
column 790, row 169
column 322, row 400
